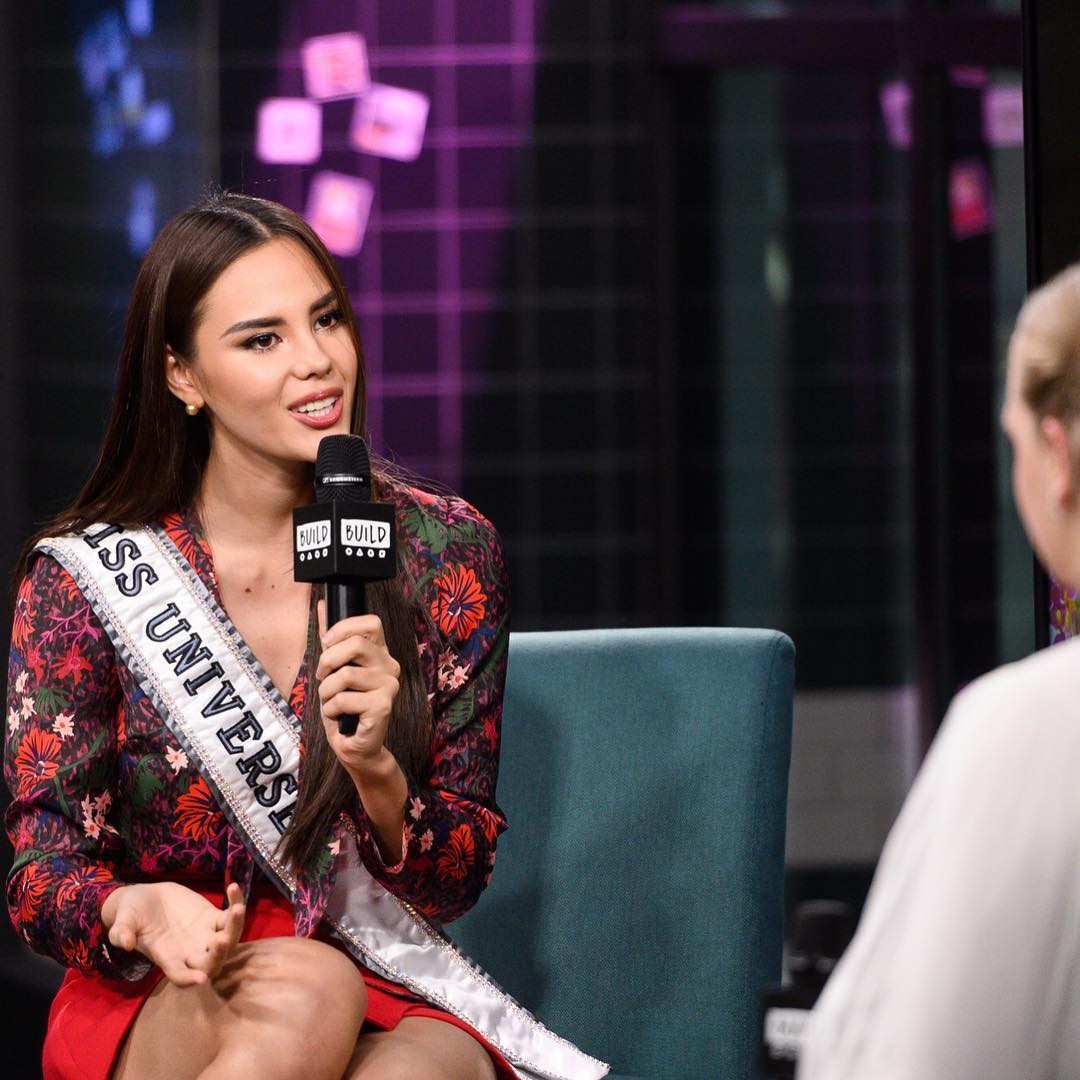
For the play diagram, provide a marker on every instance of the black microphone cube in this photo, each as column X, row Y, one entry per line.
column 346, row 542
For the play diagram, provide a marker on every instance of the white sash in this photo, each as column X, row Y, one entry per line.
column 235, row 727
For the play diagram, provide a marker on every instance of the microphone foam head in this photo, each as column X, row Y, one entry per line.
column 342, row 469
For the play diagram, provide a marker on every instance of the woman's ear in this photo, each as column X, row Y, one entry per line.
column 178, row 377
column 1061, row 461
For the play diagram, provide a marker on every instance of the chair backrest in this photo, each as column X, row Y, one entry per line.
column 637, row 900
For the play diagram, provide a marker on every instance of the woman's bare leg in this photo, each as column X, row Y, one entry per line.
column 287, row 1007
column 420, row 1048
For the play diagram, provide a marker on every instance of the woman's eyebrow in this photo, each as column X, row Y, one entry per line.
column 277, row 320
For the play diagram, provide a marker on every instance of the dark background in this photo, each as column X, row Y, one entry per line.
column 660, row 296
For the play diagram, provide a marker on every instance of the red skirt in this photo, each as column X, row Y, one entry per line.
column 91, row 1016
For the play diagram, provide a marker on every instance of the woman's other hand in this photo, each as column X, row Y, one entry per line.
column 175, row 927
column 358, row 677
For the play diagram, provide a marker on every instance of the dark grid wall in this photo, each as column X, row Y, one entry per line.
column 503, row 281
column 792, row 365
column 846, row 372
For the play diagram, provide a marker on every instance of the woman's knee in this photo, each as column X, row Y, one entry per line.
column 300, row 1013
column 420, row 1049
column 413, row 1064
column 285, row 1007
column 321, row 980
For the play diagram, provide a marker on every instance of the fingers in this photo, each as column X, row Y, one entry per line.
column 217, row 952
column 234, row 915
column 357, row 651
column 370, row 703
column 189, row 976
column 365, row 626
column 124, row 932
column 357, row 679
column 180, row 971
column 229, row 926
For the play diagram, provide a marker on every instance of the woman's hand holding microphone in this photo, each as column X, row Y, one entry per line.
column 358, row 677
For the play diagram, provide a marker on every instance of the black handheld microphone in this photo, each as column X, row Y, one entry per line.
column 344, row 540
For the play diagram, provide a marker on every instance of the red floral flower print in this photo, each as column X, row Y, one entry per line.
column 35, row 661
column 297, row 697
column 183, row 536
column 197, row 814
column 37, row 760
column 24, row 836
column 76, row 955
column 25, row 612
column 458, row 855
column 70, row 587
column 459, row 607
column 121, row 724
column 489, row 820
column 32, row 890
column 72, row 665
column 74, row 880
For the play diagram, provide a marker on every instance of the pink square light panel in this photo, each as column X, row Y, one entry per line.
column 896, row 112
column 288, row 131
column 1003, row 116
column 971, row 199
column 390, row 121
column 337, row 209
column 335, row 66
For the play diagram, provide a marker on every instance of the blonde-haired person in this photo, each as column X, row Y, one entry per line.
column 966, row 963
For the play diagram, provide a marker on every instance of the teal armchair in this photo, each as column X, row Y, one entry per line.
column 637, row 901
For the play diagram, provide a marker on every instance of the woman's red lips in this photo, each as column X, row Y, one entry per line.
column 323, row 417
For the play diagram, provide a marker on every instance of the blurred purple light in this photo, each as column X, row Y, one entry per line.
column 969, row 76
column 156, row 123
column 102, row 50
column 896, row 112
column 131, row 90
column 106, row 128
column 337, row 209
column 335, row 66
column 289, row 131
column 971, row 199
column 390, row 121
column 140, row 17
column 1003, row 116
column 142, row 215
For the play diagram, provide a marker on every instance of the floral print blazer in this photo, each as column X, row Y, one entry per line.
column 104, row 795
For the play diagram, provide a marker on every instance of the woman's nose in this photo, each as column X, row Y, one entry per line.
column 312, row 357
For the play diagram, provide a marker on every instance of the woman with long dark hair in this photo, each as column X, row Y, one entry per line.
column 173, row 699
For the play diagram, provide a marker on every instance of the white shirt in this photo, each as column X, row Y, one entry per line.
column 966, row 963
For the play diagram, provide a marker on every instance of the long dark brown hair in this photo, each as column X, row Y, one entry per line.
column 152, row 459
